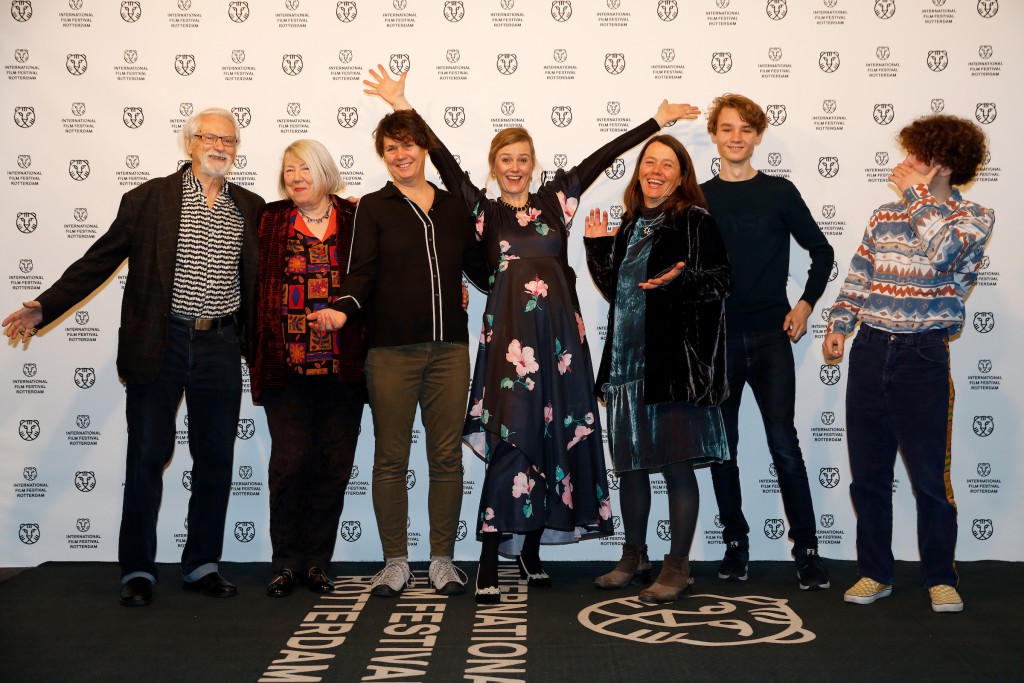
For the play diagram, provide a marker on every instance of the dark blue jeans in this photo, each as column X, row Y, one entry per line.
column 764, row 360
column 206, row 368
column 900, row 395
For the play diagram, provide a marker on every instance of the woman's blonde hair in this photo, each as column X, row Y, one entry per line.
column 323, row 167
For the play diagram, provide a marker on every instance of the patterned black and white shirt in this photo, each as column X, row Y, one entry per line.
column 206, row 278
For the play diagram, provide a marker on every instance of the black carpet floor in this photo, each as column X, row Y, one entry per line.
column 62, row 622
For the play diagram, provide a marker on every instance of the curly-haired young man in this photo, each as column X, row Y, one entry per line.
column 907, row 284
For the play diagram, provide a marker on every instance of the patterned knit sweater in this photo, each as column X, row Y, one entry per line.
column 915, row 266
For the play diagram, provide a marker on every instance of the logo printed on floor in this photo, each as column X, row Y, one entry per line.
column 702, row 620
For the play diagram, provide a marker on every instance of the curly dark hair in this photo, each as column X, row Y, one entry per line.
column 403, row 125
column 950, row 141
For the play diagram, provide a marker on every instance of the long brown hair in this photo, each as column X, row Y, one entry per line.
column 687, row 193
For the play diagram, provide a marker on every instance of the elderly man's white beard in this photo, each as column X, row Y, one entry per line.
column 217, row 168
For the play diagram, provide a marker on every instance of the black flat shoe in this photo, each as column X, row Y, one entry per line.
column 318, row 581
column 282, row 584
column 212, row 585
column 538, row 579
column 137, row 592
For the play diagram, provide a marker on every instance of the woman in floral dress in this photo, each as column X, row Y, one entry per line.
column 532, row 413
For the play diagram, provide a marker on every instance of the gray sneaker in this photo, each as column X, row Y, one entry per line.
column 393, row 579
column 445, row 577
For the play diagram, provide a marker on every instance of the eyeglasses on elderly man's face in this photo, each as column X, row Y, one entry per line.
column 209, row 139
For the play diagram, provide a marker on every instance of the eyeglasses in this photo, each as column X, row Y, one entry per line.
column 209, row 139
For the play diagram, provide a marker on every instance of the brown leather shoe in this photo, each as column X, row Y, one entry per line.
column 673, row 580
column 634, row 566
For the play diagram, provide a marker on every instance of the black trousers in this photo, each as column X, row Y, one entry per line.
column 314, row 426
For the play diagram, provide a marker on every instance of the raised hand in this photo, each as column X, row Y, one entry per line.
column 668, row 112
column 596, row 224
column 906, row 176
column 388, row 89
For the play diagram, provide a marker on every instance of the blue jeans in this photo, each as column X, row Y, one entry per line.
column 206, row 367
column 764, row 360
column 900, row 395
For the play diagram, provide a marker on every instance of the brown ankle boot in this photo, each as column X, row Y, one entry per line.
column 634, row 566
column 673, row 581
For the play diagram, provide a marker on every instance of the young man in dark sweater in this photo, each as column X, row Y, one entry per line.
column 757, row 214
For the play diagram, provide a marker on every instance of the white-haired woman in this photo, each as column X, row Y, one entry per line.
column 310, row 382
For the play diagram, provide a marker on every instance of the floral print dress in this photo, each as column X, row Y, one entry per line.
column 532, row 414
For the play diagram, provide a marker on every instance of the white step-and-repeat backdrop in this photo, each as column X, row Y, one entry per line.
column 95, row 92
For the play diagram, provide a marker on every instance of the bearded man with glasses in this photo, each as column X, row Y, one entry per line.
column 191, row 240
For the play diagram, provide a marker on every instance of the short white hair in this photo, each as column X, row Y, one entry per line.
column 191, row 127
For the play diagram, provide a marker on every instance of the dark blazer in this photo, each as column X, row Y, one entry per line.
column 684, row 331
column 268, row 366
column 145, row 232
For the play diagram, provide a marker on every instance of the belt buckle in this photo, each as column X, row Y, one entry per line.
column 204, row 324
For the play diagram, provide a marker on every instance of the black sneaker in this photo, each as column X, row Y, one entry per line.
column 734, row 564
column 810, row 571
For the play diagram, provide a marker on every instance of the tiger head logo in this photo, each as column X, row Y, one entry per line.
column 507, row 63
column 133, row 117
column 85, row 378
column 828, row 477
column 28, row 533
column 561, row 116
column 85, row 481
column 776, row 114
column 291, row 64
column 774, row 528
column 346, row 11
column 245, row 429
column 245, row 531
column 700, row 620
column 348, row 117
column 350, row 530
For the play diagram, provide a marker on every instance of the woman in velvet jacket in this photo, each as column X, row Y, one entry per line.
column 310, row 382
column 662, row 375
